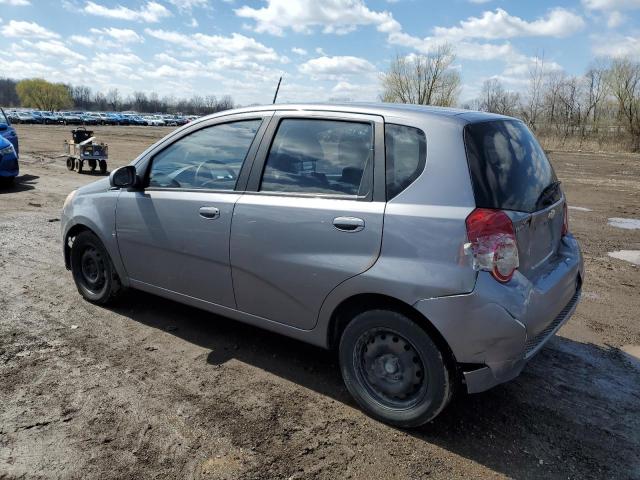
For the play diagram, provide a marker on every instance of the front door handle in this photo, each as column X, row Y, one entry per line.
column 209, row 212
column 348, row 224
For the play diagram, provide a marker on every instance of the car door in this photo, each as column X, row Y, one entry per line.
column 312, row 214
column 173, row 235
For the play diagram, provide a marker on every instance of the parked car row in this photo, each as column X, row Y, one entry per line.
column 96, row 118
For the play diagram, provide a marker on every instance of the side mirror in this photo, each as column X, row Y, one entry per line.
column 3, row 127
column 124, row 177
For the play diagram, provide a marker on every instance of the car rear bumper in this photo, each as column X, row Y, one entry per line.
column 494, row 330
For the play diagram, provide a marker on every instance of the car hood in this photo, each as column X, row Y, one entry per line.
column 95, row 187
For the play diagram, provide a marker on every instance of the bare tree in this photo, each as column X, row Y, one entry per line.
column 422, row 79
column 113, row 98
column 596, row 92
column 494, row 98
column 624, row 80
column 536, row 84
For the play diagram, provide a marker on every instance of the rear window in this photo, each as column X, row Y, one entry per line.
column 509, row 169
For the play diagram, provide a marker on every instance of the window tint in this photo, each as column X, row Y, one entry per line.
column 406, row 151
column 509, row 169
column 209, row 158
column 320, row 156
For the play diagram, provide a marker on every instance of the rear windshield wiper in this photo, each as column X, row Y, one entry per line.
column 543, row 198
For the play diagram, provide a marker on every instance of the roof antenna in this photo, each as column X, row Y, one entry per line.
column 277, row 90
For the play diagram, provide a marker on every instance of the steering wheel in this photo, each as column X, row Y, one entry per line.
column 212, row 179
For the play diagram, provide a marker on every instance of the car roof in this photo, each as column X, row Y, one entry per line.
column 377, row 108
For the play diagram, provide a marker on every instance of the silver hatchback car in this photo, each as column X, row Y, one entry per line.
column 429, row 246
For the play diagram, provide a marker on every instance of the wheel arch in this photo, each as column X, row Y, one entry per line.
column 71, row 233
column 352, row 306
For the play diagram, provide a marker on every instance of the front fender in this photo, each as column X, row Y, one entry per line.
column 97, row 212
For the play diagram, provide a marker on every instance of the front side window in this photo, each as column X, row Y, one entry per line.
column 210, row 158
column 406, row 152
column 320, row 156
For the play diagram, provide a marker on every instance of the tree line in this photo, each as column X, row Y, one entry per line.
column 44, row 95
column 601, row 106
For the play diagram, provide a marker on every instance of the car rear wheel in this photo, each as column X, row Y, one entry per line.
column 92, row 269
column 393, row 369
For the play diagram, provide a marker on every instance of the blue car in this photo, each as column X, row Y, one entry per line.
column 7, row 131
column 8, row 161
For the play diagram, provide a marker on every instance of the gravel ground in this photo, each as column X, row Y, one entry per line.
column 153, row 389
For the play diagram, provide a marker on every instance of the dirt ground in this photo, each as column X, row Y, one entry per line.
column 153, row 389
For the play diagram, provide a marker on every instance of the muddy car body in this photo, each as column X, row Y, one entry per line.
column 429, row 246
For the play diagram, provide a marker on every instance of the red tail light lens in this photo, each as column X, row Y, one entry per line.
column 493, row 243
column 565, row 219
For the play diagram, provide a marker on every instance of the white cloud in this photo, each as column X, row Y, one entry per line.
column 17, row 29
column 302, row 16
column 172, row 67
column 299, row 51
column 15, row 3
column 118, row 58
column 463, row 49
column 238, row 46
column 188, row 5
column 615, row 19
column 611, row 4
column 336, row 66
column 617, row 47
column 121, row 35
column 86, row 41
column 56, row 49
column 151, row 12
column 499, row 24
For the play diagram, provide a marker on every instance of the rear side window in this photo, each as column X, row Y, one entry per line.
column 210, row 158
column 406, row 152
column 320, row 156
column 509, row 169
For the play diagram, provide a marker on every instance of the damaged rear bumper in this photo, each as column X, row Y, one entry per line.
column 497, row 328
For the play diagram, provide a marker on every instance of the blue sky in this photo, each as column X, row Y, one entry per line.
column 331, row 49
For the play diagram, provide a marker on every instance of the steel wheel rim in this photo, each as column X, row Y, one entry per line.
column 92, row 270
column 390, row 368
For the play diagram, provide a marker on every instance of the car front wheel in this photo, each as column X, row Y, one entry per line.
column 393, row 369
column 92, row 269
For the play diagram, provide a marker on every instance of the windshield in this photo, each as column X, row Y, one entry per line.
column 3, row 117
column 509, row 169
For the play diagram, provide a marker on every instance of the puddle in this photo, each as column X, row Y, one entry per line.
column 632, row 256
column 580, row 209
column 626, row 223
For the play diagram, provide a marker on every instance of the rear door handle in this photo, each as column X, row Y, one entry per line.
column 348, row 224
column 209, row 212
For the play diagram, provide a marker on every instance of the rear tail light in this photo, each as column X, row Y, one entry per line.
column 492, row 243
column 565, row 219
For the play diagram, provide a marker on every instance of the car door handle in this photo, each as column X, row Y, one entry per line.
column 209, row 212
column 348, row 224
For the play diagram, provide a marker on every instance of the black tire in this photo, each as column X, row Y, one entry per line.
column 93, row 164
column 71, row 162
column 80, row 165
column 92, row 269
column 393, row 369
column 103, row 166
